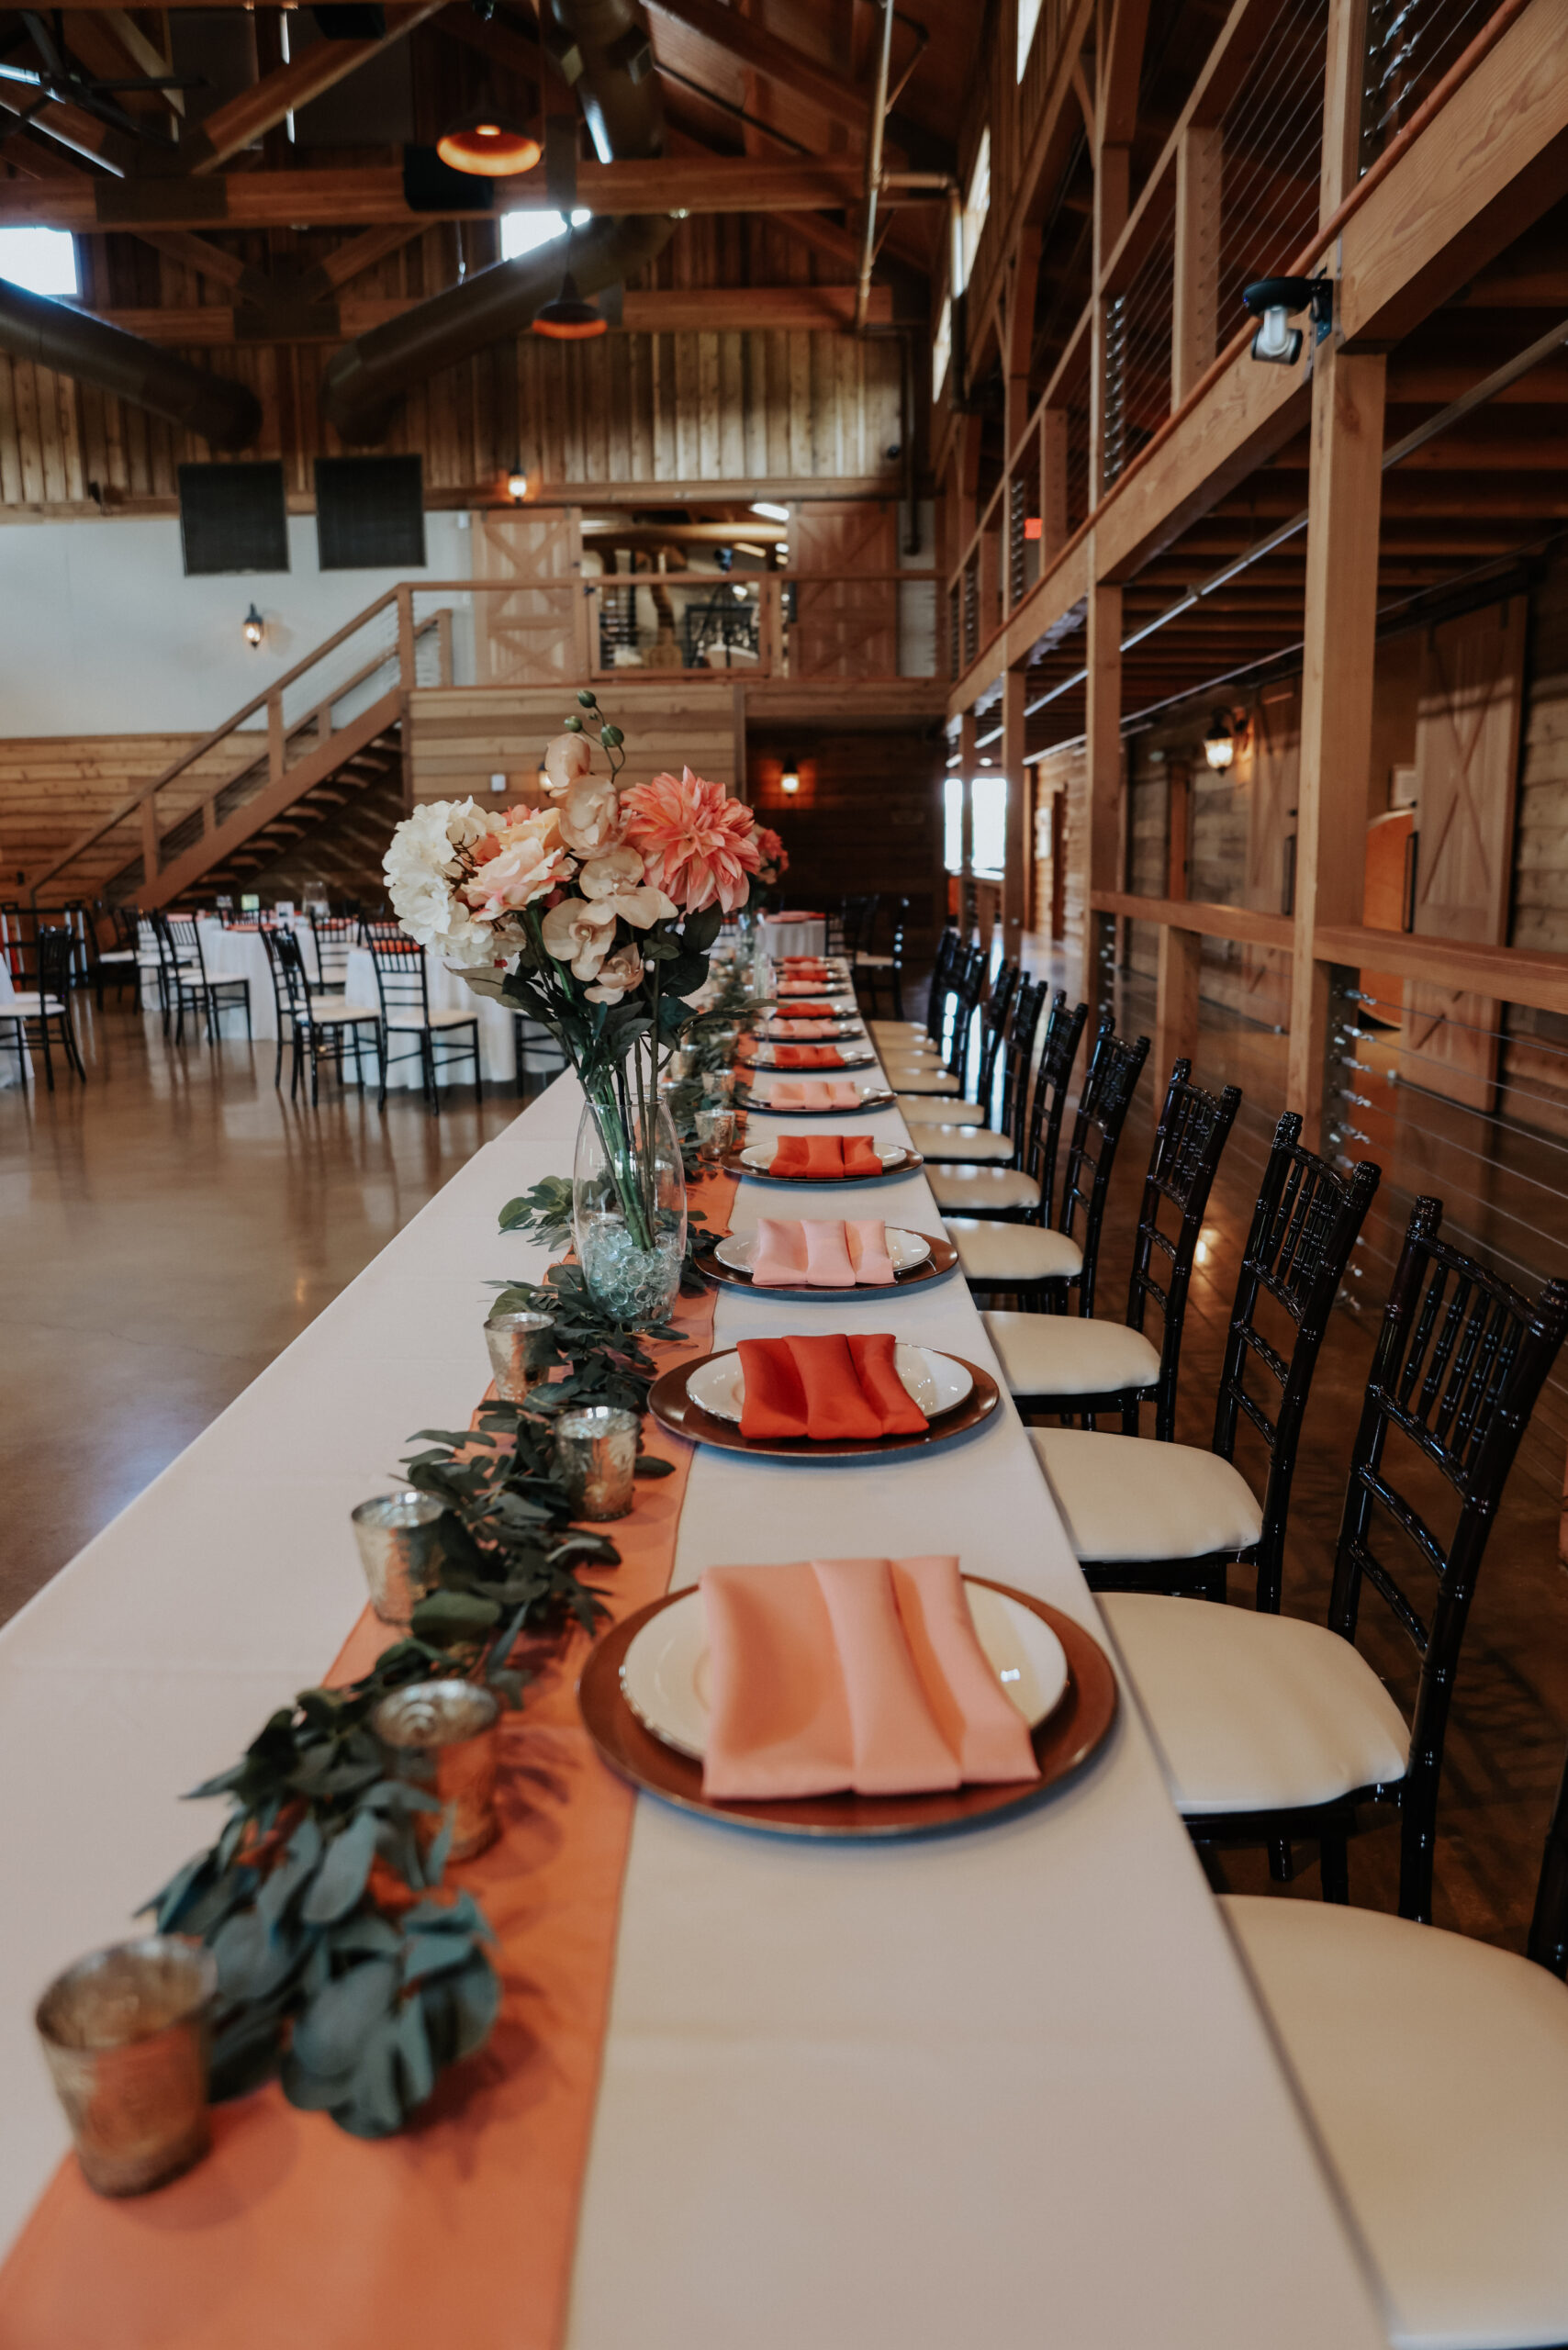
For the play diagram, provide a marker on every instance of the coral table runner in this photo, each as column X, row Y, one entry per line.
column 462, row 2229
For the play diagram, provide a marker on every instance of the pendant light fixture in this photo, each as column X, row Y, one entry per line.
column 488, row 144
column 568, row 319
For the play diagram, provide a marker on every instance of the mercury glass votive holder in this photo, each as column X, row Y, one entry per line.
column 448, row 1732
column 725, row 1039
column 400, row 1546
column 719, row 1085
column 595, row 1459
column 126, row 2033
column 715, row 1134
column 521, row 1348
column 683, row 1063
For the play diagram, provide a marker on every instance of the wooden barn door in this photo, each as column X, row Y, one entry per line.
column 844, row 627
column 1467, row 741
column 1270, row 822
column 537, row 634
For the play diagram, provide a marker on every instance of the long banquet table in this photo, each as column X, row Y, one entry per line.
column 1006, row 2087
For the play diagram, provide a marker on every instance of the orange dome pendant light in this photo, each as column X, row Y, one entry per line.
column 485, row 144
column 568, row 319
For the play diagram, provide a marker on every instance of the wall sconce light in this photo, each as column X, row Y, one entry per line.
column 790, row 781
column 517, row 484
column 1276, row 301
column 255, row 628
column 1219, row 743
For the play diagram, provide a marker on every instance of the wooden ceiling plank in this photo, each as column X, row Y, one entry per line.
column 727, row 32
column 266, row 103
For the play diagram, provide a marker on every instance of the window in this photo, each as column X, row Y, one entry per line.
column 988, row 795
column 942, row 349
column 953, row 823
column 977, row 202
column 1028, row 17
column 43, row 260
column 524, row 232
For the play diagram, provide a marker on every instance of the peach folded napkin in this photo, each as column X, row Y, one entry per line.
column 813, row 1094
column 821, row 1253
column 831, row 1675
column 833, row 1390
column 810, row 1008
column 823, row 1158
column 803, row 1029
column 800, row 1056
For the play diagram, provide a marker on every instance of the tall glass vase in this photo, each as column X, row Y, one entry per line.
column 628, row 1197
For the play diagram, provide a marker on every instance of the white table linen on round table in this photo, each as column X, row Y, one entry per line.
column 446, row 993
column 1007, row 2087
column 10, row 1035
column 242, row 955
column 781, row 938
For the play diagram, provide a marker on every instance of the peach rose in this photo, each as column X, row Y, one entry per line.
column 513, row 878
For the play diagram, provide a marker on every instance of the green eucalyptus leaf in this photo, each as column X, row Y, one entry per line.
column 313, row 2092
column 369, row 1935
column 376, row 2106
column 648, row 1465
column 434, row 1954
column 245, row 2054
column 476, row 1995
column 341, row 1876
column 334, row 2028
column 411, row 2045
column 439, row 1846
column 453, row 1615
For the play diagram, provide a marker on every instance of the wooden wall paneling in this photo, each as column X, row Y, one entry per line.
column 54, row 788
column 1467, row 736
column 732, row 454
column 10, row 439
column 803, row 423
column 25, row 376
column 871, row 818
column 459, row 738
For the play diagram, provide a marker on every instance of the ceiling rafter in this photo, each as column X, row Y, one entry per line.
column 269, row 101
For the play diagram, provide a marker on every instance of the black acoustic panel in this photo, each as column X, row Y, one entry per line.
column 370, row 513
column 431, row 185
column 233, row 518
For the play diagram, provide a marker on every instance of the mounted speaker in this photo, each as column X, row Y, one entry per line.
column 370, row 514
column 233, row 518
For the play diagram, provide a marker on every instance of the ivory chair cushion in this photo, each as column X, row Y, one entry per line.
column 1250, row 1712
column 453, row 1018
column 938, row 1109
column 970, row 1190
column 1436, row 2069
column 29, row 1001
column 908, row 1076
column 1013, row 1252
column 1130, row 1497
column 899, row 1032
column 974, row 1145
column 332, row 1012
column 1057, row 1354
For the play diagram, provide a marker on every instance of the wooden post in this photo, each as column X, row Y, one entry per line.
column 1018, row 337
column 1095, row 853
column 1111, row 178
column 405, row 656
column 1344, row 501
column 1195, row 323
column 1053, row 529
column 1176, row 1001
column 1015, row 870
column 275, row 759
column 1342, row 102
column 443, row 644
column 151, row 859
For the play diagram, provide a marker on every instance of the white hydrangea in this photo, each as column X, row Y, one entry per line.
column 421, row 865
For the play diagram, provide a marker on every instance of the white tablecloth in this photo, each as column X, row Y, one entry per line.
column 242, row 955
column 1007, row 2088
column 781, row 938
column 10, row 1070
column 446, row 993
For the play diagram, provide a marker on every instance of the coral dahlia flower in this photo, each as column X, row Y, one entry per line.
column 697, row 843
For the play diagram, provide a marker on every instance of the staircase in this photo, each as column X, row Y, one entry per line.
column 315, row 787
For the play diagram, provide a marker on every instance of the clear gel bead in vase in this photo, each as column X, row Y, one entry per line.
column 629, row 1205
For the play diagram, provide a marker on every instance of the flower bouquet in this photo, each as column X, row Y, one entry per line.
column 593, row 915
column 775, row 858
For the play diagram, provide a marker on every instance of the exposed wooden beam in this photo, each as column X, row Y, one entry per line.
column 112, row 46
column 356, row 254
column 705, row 309
column 199, row 253
column 741, row 38
column 243, row 119
column 373, row 193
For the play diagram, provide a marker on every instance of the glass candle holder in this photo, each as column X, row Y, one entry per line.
column 596, row 1457
column 683, row 1063
column 522, row 1347
column 725, row 1039
column 126, row 2034
column 715, row 1134
column 447, row 1732
column 401, row 1540
column 719, row 1085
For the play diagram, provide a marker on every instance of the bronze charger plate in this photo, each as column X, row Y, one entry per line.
column 734, row 1165
column 674, row 1409
column 940, row 1262
column 881, row 1099
column 1070, row 1735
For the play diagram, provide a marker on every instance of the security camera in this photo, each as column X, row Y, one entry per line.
column 1275, row 301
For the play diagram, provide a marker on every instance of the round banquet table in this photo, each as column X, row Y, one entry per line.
column 242, row 953
column 447, row 992
column 794, row 934
column 11, row 1074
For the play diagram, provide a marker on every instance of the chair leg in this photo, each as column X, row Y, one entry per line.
column 428, row 1070
column 1334, row 1867
column 277, row 1057
column 478, row 1078
column 383, row 1039
column 297, row 1063
column 73, row 1049
column 315, row 1065
column 48, row 1062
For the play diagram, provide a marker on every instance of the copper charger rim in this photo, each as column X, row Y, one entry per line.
column 1069, row 1737
column 674, row 1409
column 911, row 1163
column 882, row 1099
column 943, row 1258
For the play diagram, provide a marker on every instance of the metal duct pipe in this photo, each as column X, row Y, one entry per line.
column 225, row 414
column 602, row 47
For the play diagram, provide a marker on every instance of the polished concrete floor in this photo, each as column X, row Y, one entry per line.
column 169, row 1227
column 164, row 1231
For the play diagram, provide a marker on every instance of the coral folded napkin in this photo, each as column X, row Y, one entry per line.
column 823, row 1158
column 833, row 1389
column 796, row 1056
column 811, row 1010
column 821, row 1253
column 813, row 1094
column 862, row 1674
column 803, row 967
column 804, row 1029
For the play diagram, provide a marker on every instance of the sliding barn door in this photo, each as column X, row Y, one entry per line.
column 537, row 633
column 1467, row 742
column 844, row 627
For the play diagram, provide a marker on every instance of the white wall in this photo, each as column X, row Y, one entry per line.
column 102, row 633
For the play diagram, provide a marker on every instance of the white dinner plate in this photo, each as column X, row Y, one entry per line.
column 854, row 1053
column 664, row 1673
column 937, row 1383
column 758, row 1156
column 905, row 1249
